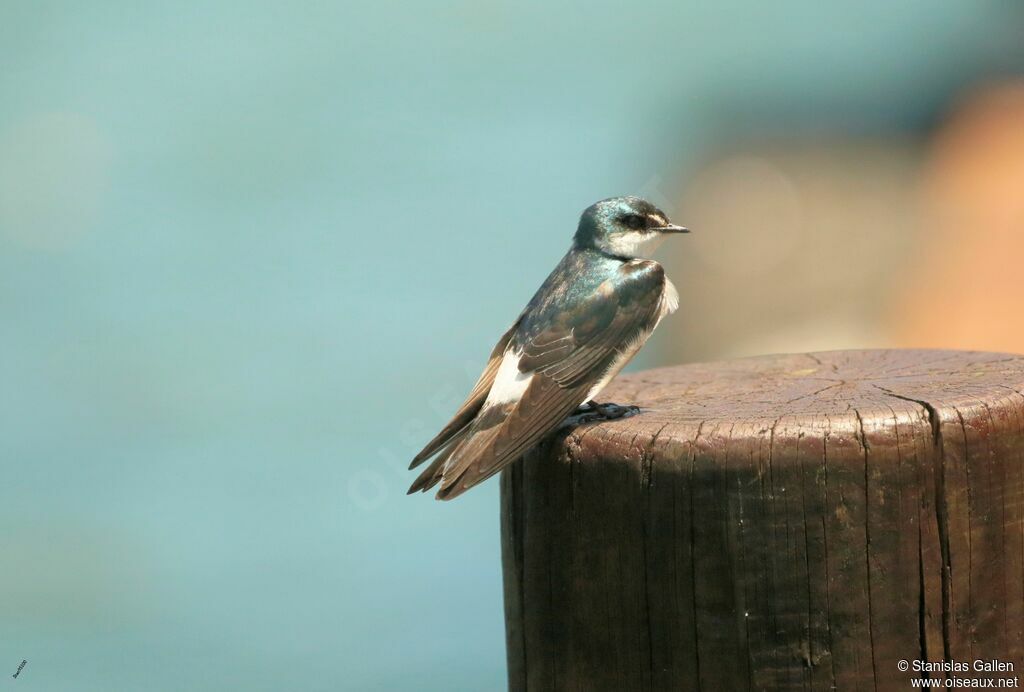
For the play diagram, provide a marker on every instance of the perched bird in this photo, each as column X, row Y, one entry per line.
column 587, row 320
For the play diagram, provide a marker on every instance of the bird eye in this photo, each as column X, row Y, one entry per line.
column 634, row 221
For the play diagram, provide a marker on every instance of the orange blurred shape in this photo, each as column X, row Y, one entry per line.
column 967, row 288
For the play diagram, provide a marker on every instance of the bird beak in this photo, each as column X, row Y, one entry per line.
column 671, row 228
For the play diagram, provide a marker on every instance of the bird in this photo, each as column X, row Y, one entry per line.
column 586, row 321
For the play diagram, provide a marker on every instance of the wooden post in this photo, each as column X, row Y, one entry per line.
column 786, row 522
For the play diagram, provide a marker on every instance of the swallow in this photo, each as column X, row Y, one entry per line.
column 586, row 321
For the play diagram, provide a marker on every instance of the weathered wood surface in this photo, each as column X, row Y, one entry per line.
column 786, row 522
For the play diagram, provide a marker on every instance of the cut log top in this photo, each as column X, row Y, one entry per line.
column 784, row 522
column 835, row 390
column 836, row 383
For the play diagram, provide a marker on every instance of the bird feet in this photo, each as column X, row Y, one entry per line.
column 595, row 411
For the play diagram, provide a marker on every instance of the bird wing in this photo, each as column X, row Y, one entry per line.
column 471, row 406
column 560, row 357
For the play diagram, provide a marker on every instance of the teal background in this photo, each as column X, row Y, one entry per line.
column 252, row 254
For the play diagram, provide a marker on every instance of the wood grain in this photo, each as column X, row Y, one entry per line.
column 787, row 522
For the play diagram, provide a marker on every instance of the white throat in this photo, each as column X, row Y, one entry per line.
column 636, row 244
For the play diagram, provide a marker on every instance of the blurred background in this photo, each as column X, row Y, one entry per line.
column 252, row 255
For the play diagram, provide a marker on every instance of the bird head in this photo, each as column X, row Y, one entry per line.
column 624, row 227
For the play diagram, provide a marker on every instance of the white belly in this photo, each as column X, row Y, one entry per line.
column 509, row 383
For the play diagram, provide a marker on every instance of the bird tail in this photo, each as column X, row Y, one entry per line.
column 471, row 406
column 430, row 477
column 433, row 474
